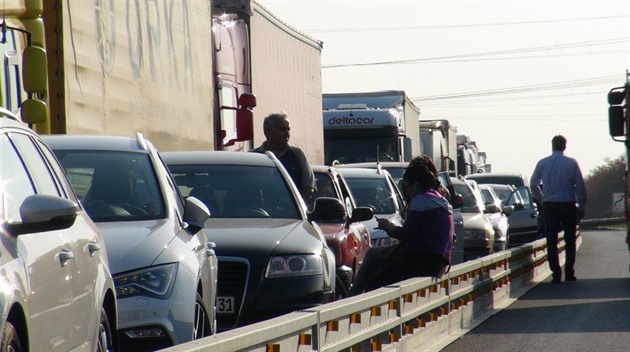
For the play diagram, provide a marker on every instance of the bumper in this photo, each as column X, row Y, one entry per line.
column 477, row 248
column 272, row 298
column 148, row 324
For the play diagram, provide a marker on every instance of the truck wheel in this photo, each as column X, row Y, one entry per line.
column 10, row 340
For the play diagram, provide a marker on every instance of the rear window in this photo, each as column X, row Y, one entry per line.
column 514, row 181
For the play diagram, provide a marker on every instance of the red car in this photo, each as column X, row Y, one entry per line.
column 348, row 237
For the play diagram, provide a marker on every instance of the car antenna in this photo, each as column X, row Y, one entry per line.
column 378, row 159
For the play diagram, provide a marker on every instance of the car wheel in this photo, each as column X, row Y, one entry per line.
column 10, row 340
column 341, row 291
column 105, row 341
column 201, row 325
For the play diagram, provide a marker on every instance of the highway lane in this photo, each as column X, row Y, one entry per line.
column 592, row 314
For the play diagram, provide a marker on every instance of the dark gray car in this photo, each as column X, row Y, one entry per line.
column 273, row 258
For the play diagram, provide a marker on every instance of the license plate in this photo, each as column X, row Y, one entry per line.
column 225, row 305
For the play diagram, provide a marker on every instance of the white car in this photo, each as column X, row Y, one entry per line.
column 478, row 232
column 498, row 215
column 57, row 293
column 164, row 267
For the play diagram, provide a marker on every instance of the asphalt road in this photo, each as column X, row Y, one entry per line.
column 591, row 314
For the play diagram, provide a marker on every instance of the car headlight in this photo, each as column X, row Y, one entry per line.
column 474, row 234
column 154, row 282
column 294, row 265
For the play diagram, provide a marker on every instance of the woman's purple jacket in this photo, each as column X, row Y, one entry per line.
column 428, row 227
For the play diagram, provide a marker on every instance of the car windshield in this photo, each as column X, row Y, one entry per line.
column 114, row 186
column 325, row 188
column 373, row 193
column 503, row 194
column 501, row 180
column 471, row 204
column 237, row 191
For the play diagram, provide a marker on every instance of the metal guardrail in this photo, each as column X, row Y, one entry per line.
column 416, row 314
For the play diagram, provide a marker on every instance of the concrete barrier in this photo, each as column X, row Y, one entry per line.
column 417, row 314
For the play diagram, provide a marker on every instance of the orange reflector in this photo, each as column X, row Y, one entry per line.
column 332, row 325
column 305, row 339
column 393, row 305
column 272, row 347
column 376, row 344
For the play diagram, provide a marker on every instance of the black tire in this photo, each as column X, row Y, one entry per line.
column 341, row 291
column 10, row 339
column 201, row 324
column 105, row 340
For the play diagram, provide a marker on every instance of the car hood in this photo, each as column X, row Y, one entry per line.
column 135, row 244
column 258, row 239
column 373, row 223
column 475, row 221
column 331, row 229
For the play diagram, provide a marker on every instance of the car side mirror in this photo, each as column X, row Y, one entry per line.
column 361, row 214
column 195, row 214
column 492, row 208
column 456, row 200
column 42, row 212
column 518, row 206
column 327, row 208
column 507, row 210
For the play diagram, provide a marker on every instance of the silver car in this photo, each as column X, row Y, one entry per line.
column 57, row 293
column 164, row 267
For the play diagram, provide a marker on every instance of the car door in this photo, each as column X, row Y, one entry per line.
column 358, row 230
column 524, row 220
column 45, row 255
column 84, row 243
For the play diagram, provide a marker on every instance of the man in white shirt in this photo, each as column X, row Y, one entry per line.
column 558, row 184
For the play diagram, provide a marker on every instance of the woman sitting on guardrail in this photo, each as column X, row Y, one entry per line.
column 425, row 239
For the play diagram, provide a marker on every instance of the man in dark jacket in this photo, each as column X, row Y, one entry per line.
column 277, row 133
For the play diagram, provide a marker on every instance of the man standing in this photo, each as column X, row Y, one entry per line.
column 558, row 184
column 277, row 133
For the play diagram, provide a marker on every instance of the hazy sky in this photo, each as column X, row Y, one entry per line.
column 510, row 74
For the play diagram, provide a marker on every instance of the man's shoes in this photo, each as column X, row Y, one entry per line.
column 570, row 278
column 555, row 280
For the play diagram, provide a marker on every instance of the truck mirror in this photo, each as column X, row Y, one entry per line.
column 33, row 59
column 247, row 100
column 34, row 111
column 615, row 121
column 244, row 125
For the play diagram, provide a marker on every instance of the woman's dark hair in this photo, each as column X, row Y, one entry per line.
column 421, row 169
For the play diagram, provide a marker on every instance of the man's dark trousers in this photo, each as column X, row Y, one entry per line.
column 560, row 216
